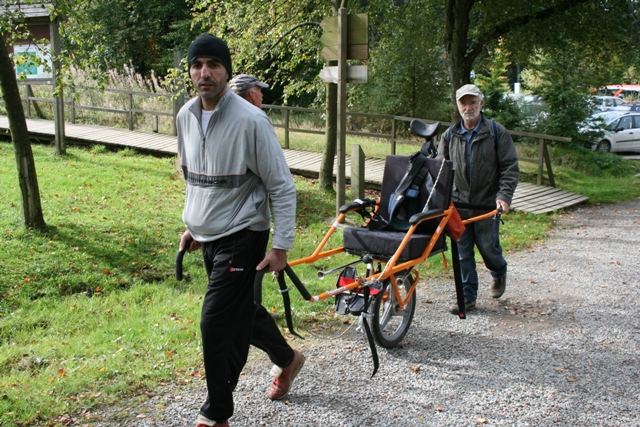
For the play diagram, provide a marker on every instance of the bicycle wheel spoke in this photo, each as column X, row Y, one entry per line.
column 386, row 316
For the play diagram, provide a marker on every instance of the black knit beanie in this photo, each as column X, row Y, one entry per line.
column 211, row 47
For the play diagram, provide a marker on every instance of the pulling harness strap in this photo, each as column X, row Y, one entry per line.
column 426, row 205
column 457, row 277
column 287, row 304
column 367, row 329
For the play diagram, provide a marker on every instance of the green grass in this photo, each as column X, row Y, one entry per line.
column 90, row 311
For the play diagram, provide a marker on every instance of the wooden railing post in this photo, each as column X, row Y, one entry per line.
column 130, row 108
column 286, row 128
column 547, row 160
column 28, row 93
column 393, row 135
column 540, row 161
column 357, row 172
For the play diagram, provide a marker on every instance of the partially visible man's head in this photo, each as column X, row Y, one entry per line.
column 248, row 87
column 470, row 101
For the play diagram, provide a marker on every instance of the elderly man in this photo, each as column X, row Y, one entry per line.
column 248, row 87
column 485, row 177
column 233, row 166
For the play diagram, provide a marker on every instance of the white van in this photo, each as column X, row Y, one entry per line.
column 628, row 92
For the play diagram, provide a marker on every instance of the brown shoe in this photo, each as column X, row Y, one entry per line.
column 498, row 286
column 282, row 384
column 203, row 421
column 468, row 306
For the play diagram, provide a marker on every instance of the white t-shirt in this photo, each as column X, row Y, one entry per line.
column 206, row 117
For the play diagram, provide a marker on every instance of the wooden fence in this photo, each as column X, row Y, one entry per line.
column 397, row 125
column 31, row 103
column 399, row 122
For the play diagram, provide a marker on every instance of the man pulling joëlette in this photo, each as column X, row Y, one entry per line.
column 233, row 165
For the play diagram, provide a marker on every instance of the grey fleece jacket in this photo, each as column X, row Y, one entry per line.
column 494, row 166
column 232, row 171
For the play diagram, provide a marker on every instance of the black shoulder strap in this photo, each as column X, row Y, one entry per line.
column 449, row 130
column 495, row 135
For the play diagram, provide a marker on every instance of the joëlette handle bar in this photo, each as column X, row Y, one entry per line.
column 496, row 213
column 179, row 258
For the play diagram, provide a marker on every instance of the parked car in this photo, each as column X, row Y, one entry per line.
column 611, row 103
column 622, row 133
column 531, row 106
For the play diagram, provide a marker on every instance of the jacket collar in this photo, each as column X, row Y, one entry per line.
column 196, row 107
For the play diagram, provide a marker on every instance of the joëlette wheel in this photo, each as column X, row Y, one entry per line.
column 390, row 323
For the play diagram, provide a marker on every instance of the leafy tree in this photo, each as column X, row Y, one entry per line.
column 560, row 81
column 278, row 41
column 110, row 34
column 12, row 28
column 495, row 87
column 471, row 27
column 407, row 70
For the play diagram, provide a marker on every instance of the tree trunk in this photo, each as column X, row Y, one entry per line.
column 331, row 132
column 31, row 206
column 329, row 153
column 455, row 40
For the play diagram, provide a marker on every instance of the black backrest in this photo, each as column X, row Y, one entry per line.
column 395, row 168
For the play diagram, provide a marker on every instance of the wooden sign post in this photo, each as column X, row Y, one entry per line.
column 345, row 37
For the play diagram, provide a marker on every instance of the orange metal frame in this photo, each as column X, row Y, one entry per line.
column 391, row 266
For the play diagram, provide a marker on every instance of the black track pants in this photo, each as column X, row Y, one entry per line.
column 231, row 321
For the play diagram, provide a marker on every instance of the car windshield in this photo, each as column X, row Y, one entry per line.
column 613, row 125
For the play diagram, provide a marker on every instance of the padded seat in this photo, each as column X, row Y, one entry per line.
column 383, row 244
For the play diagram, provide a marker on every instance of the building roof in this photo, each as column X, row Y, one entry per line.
column 34, row 10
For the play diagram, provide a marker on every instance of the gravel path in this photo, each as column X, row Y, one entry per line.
column 560, row 348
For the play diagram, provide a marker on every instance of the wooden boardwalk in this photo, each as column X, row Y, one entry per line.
column 527, row 198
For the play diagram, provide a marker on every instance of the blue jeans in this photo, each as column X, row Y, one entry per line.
column 485, row 235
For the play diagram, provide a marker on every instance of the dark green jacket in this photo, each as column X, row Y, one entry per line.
column 494, row 166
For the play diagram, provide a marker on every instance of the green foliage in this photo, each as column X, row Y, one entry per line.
column 407, row 70
column 603, row 31
column 495, row 87
column 112, row 34
column 559, row 78
column 277, row 41
column 591, row 163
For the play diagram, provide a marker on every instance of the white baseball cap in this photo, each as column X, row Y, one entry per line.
column 468, row 90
